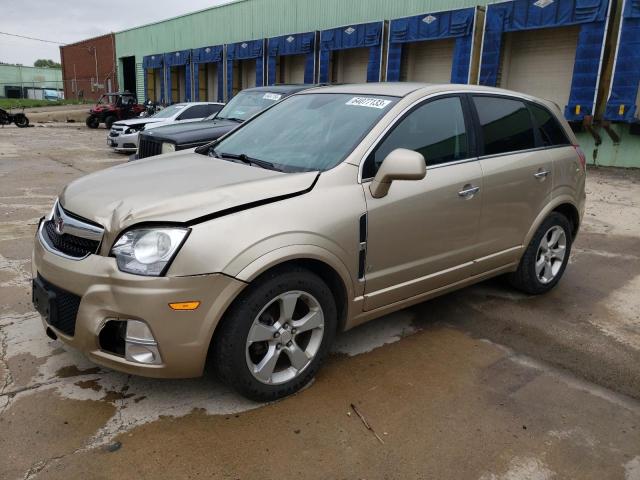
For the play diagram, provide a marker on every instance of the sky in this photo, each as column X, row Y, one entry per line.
column 69, row 21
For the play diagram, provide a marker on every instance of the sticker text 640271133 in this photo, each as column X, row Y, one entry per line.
column 368, row 102
column 272, row 96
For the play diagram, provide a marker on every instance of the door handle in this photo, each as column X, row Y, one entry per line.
column 540, row 174
column 468, row 191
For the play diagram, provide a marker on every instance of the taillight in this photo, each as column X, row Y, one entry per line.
column 581, row 157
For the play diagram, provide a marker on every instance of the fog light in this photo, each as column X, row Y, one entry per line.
column 140, row 344
column 143, row 353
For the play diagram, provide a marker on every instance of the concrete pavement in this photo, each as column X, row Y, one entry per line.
column 483, row 384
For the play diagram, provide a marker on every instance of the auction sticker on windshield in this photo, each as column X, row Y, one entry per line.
column 368, row 102
column 272, row 96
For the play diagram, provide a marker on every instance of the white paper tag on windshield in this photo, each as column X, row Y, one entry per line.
column 272, row 96
column 368, row 102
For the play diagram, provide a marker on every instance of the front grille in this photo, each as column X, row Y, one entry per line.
column 66, row 308
column 113, row 134
column 148, row 147
column 68, row 244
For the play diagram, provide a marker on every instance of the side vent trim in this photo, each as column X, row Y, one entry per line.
column 362, row 251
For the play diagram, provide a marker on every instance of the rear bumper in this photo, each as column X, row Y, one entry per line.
column 183, row 337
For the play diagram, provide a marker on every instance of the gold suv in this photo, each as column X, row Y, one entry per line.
column 332, row 207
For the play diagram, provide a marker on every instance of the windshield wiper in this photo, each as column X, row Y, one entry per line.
column 233, row 119
column 248, row 160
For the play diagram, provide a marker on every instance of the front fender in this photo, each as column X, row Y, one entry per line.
column 297, row 252
column 304, row 252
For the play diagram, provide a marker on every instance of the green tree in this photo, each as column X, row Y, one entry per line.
column 43, row 62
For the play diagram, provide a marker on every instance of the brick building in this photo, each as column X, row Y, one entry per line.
column 88, row 67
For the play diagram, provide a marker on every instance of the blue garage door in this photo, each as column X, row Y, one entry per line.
column 178, row 59
column 622, row 103
column 200, row 57
column 295, row 44
column 591, row 15
column 154, row 62
column 457, row 24
column 245, row 51
column 368, row 35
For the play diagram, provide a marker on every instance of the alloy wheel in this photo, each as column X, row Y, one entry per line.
column 285, row 337
column 551, row 253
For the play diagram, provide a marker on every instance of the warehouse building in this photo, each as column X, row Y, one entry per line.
column 18, row 81
column 582, row 54
column 89, row 68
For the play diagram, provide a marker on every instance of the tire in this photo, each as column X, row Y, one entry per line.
column 235, row 359
column 21, row 121
column 109, row 121
column 536, row 281
column 92, row 121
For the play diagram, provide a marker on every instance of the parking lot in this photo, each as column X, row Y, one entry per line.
column 483, row 384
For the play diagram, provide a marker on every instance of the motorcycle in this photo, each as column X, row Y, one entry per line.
column 7, row 118
column 151, row 108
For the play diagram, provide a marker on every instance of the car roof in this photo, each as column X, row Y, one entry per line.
column 283, row 88
column 189, row 104
column 402, row 89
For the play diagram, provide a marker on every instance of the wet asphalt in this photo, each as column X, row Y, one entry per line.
column 484, row 383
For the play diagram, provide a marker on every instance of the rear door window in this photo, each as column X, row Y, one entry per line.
column 550, row 131
column 505, row 123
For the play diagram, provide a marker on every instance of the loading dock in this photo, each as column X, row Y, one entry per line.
column 245, row 66
column 178, row 75
column 351, row 54
column 208, row 74
column 434, row 47
column 128, row 74
column 153, row 66
column 291, row 58
column 623, row 103
column 547, row 48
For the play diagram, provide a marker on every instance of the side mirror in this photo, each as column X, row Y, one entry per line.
column 400, row 164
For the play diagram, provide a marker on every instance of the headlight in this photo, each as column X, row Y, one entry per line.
column 148, row 251
column 134, row 129
column 168, row 147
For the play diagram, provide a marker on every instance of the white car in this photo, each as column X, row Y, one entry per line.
column 123, row 136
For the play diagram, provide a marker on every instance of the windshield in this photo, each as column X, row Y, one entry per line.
column 108, row 99
column 247, row 104
column 167, row 112
column 312, row 132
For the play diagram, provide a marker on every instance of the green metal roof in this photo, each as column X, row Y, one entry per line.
column 255, row 19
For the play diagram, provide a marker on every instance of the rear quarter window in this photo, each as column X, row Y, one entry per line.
column 550, row 131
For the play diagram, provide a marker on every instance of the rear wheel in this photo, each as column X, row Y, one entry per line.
column 546, row 257
column 21, row 121
column 92, row 121
column 110, row 120
column 275, row 336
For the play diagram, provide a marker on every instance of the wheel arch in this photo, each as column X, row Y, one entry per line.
column 329, row 268
column 315, row 259
column 562, row 204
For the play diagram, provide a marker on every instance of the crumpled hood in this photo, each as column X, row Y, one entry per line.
column 139, row 121
column 178, row 187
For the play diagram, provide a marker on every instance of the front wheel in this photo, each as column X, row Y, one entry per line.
column 546, row 257
column 274, row 338
column 92, row 121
